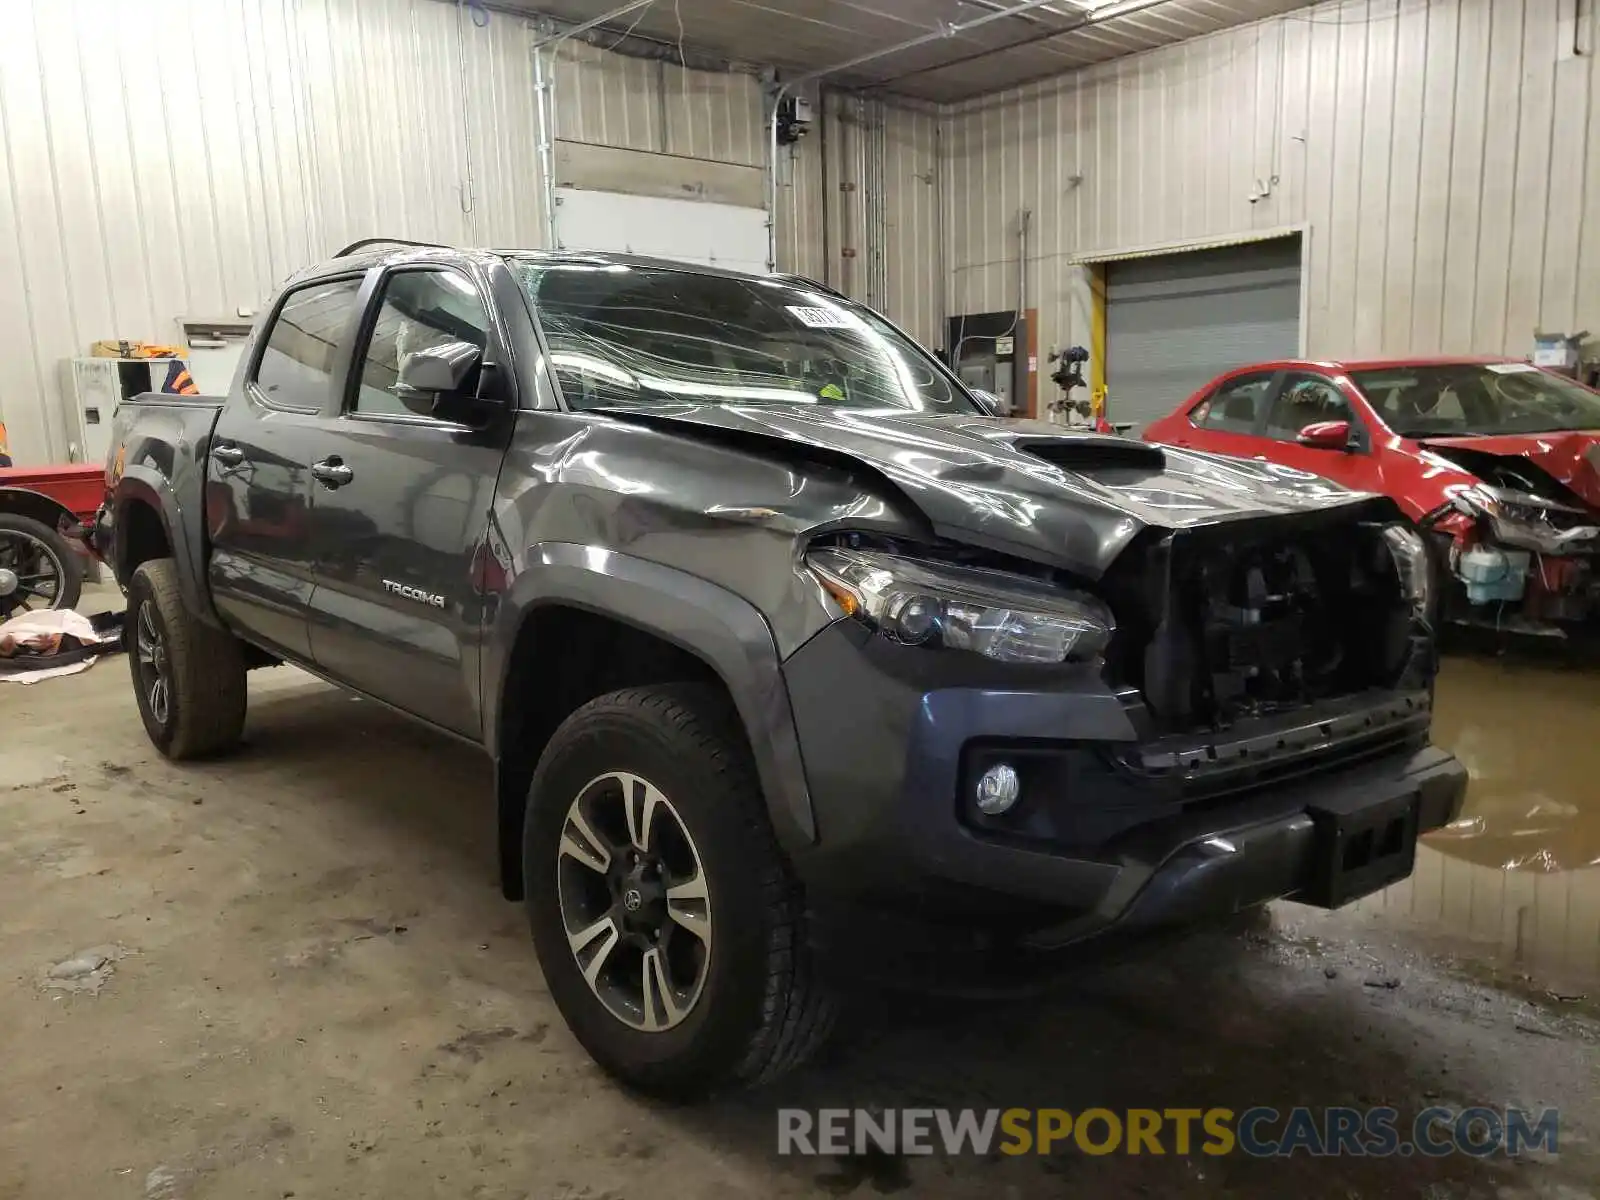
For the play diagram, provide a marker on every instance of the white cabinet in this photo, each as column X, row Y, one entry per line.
column 99, row 385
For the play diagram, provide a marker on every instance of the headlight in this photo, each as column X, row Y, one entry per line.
column 1489, row 500
column 1004, row 617
column 1411, row 564
column 1529, row 522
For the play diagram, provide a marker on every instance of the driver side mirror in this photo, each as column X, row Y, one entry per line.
column 990, row 403
column 433, row 382
column 1327, row 435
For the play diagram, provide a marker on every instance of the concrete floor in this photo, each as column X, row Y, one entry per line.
column 314, row 990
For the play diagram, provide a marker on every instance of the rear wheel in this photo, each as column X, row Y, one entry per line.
column 189, row 677
column 38, row 569
column 670, row 929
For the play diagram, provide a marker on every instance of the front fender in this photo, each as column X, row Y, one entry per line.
column 723, row 630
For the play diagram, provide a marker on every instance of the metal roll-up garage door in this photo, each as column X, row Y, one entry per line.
column 696, row 231
column 1173, row 321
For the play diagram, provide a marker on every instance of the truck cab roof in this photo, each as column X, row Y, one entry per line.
column 384, row 252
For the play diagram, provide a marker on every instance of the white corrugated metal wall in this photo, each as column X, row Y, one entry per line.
column 905, row 181
column 606, row 99
column 915, row 294
column 802, row 207
column 1443, row 154
column 177, row 158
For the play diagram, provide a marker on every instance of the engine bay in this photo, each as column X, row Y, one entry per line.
column 1267, row 621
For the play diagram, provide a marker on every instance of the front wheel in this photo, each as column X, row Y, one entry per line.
column 188, row 676
column 670, row 929
column 38, row 569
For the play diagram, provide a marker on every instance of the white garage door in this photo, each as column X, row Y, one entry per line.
column 718, row 235
column 1176, row 321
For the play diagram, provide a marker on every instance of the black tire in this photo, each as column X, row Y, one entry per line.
column 36, row 538
column 202, row 665
column 761, row 1009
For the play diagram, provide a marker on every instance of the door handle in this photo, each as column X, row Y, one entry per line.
column 228, row 456
column 331, row 472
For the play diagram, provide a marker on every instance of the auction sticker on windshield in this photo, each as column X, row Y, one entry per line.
column 1510, row 368
column 822, row 318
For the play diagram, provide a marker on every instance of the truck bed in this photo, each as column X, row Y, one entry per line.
column 174, row 400
column 160, row 443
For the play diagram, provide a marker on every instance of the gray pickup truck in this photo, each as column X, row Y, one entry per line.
column 788, row 655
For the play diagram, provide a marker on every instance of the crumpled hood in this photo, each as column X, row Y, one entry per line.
column 1571, row 458
column 1026, row 488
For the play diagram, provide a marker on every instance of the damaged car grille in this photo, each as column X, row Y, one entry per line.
column 1267, row 618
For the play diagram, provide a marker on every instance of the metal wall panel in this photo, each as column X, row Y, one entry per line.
column 803, row 203
column 1443, row 156
column 178, row 158
column 879, row 195
column 915, row 270
column 612, row 100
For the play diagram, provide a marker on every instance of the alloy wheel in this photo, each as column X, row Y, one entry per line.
column 154, row 675
column 30, row 574
column 634, row 901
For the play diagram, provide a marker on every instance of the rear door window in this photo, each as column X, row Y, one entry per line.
column 1235, row 406
column 296, row 364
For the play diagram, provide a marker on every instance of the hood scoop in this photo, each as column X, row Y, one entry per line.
column 1087, row 453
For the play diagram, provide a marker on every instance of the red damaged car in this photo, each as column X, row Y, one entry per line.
column 1499, row 461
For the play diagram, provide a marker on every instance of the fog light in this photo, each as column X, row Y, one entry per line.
column 998, row 789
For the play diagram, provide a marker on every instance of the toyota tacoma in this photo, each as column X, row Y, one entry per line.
column 786, row 652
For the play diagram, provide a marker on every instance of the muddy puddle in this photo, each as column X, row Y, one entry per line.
column 1519, row 874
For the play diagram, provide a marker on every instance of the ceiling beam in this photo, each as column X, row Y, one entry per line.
column 1109, row 12
column 937, row 35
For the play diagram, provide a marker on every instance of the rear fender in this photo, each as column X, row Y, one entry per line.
column 185, row 535
column 25, row 502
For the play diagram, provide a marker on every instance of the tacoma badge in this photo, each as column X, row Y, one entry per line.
column 414, row 593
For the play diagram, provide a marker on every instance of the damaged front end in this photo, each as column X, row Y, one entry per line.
column 1518, row 550
column 1235, row 709
column 1267, row 660
column 1231, row 624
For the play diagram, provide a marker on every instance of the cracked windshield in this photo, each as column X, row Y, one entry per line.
column 624, row 335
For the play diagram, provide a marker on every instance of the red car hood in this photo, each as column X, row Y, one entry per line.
column 1572, row 458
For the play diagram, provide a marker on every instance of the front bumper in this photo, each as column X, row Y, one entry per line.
column 1116, row 830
